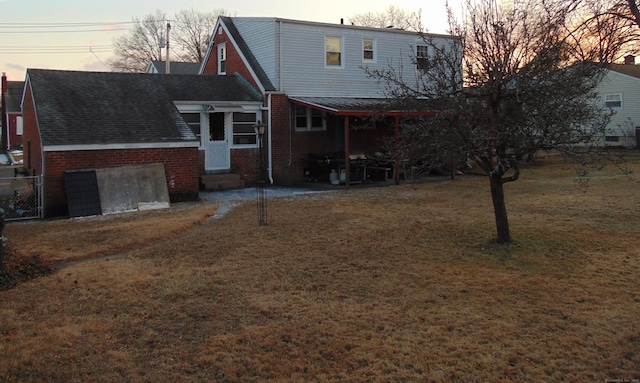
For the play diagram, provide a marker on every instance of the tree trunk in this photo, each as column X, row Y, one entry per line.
column 500, row 209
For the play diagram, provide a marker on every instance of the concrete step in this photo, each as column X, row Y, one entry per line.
column 227, row 181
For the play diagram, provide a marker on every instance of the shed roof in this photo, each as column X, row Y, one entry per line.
column 352, row 106
column 99, row 108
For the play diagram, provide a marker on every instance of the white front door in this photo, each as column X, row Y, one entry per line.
column 217, row 152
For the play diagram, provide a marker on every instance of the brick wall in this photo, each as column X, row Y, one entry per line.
column 290, row 147
column 32, row 155
column 180, row 165
column 234, row 60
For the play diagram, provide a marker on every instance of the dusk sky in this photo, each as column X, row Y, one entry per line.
column 77, row 47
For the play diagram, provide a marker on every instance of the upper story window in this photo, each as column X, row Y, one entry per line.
column 308, row 119
column 422, row 57
column 368, row 50
column 613, row 100
column 333, row 51
column 222, row 58
column 243, row 131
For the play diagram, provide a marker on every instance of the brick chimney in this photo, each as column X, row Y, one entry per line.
column 630, row 60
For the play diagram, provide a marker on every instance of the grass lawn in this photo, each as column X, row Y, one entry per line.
column 392, row 284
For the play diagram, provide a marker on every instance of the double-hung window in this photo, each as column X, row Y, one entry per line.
column 613, row 100
column 222, row 58
column 422, row 58
column 368, row 50
column 308, row 119
column 333, row 51
column 243, row 129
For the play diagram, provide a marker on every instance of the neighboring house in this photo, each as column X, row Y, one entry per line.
column 319, row 102
column 160, row 67
column 620, row 92
column 92, row 120
column 12, row 97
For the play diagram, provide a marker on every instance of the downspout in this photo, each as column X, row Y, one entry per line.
column 347, row 165
column 280, row 82
column 270, row 141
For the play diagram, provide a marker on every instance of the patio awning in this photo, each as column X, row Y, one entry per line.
column 354, row 106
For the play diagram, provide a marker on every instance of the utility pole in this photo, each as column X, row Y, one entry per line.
column 168, row 70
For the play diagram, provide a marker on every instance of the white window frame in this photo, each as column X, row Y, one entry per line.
column 19, row 126
column 327, row 51
column 222, row 58
column 193, row 124
column 250, row 124
column 373, row 50
column 424, row 56
column 617, row 99
column 309, row 115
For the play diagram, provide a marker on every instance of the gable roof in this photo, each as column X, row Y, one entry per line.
column 98, row 108
column 247, row 53
column 628, row 69
column 177, row 67
column 13, row 97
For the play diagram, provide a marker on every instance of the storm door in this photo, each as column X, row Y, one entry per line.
column 217, row 153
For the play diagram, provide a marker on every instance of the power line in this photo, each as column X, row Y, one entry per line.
column 54, row 49
column 67, row 27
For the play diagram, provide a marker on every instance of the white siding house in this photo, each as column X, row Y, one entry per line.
column 620, row 92
column 318, row 101
column 295, row 55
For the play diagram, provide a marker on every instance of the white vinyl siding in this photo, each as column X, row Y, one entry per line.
column 297, row 51
column 626, row 117
column 261, row 36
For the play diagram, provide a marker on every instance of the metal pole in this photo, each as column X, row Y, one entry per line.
column 260, row 186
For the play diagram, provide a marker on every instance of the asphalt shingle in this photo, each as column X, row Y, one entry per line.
column 100, row 108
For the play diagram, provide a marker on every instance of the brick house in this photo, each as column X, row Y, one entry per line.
column 12, row 120
column 91, row 120
column 319, row 104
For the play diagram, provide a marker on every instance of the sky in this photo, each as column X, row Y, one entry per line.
column 26, row 41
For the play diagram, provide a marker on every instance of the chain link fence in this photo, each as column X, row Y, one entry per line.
column 21, row 197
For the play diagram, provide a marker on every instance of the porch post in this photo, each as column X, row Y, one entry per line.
column 347, row 167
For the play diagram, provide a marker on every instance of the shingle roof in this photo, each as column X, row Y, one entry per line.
column 253, row 62
column 347, row 106
column 177, row 67
column 14, row 96
column 628, row 69
column 97, row 108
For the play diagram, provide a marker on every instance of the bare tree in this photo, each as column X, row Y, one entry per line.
column 141, row 44
column 521, row 79
column 190, row 34
column 193, row 31
column 392, row 17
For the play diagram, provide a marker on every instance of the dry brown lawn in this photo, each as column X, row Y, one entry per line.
column 392, row 284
